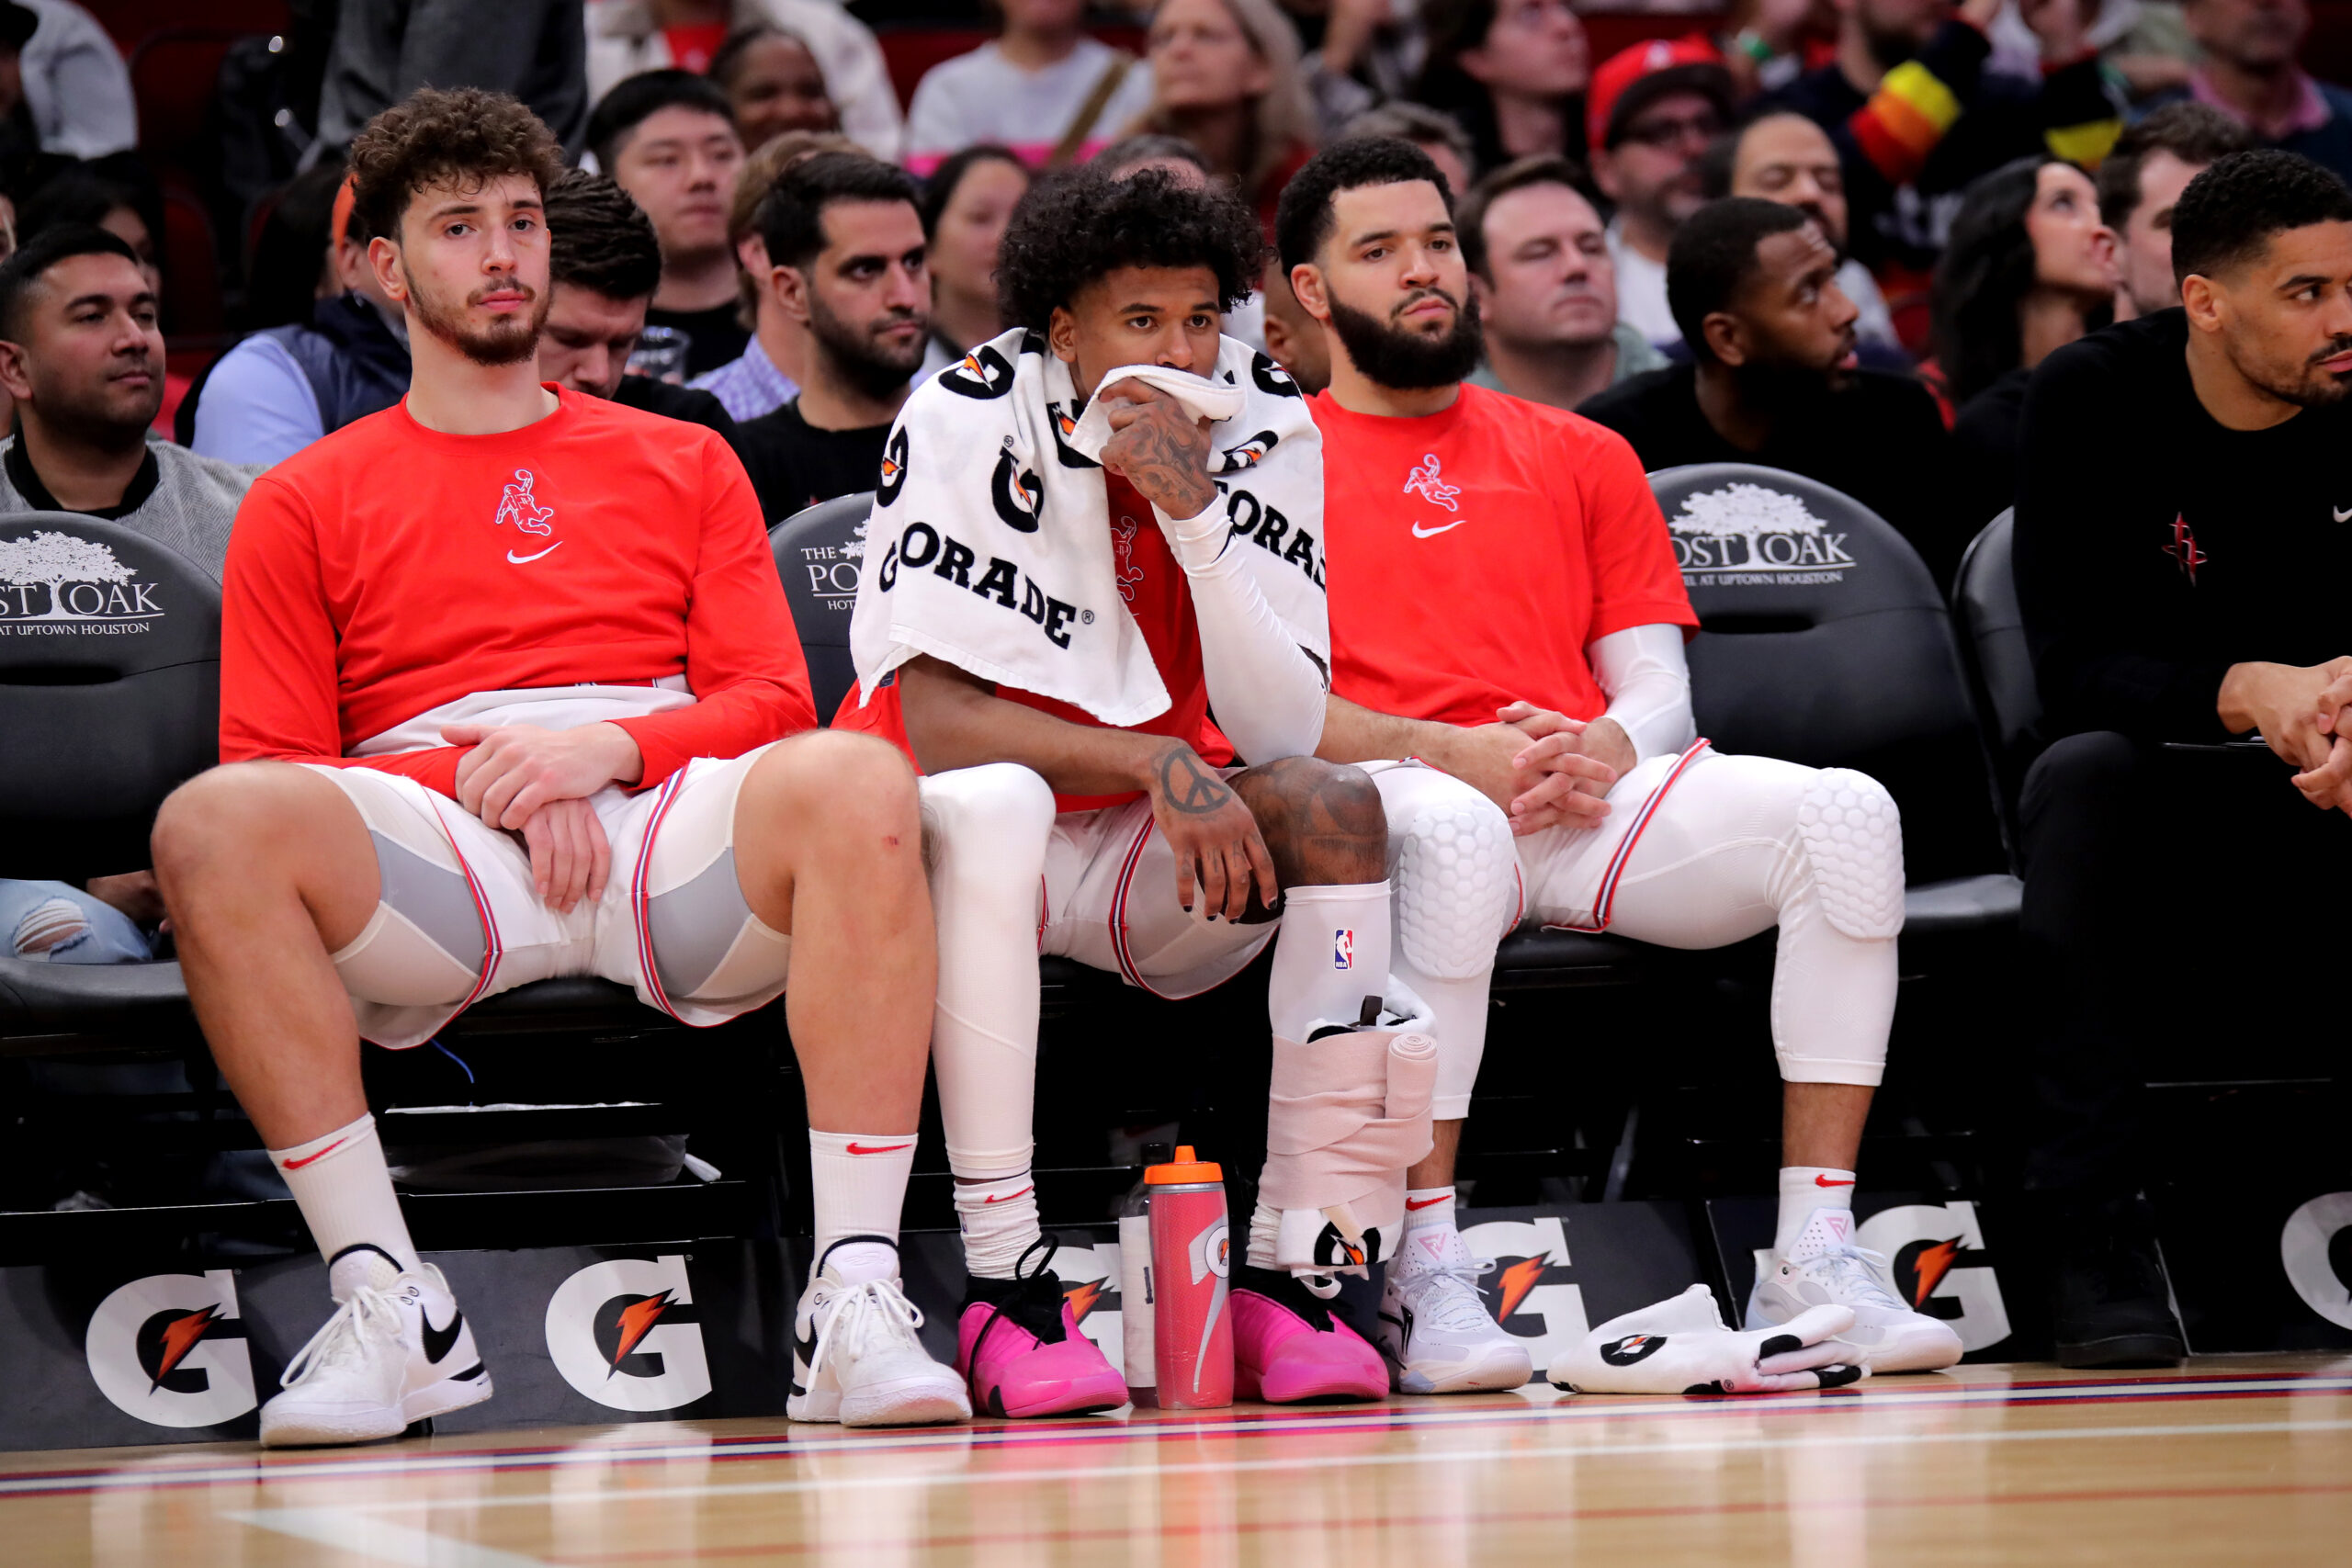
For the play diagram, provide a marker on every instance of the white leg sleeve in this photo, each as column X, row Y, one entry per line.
column 1333, row 953
column 1456, row 876
column 1742, row 843
column 985, row 830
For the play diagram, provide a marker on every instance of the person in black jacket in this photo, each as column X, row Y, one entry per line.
column 2181, row 552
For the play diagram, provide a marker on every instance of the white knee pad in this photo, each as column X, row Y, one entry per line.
column 1457, row 884
column 1852, row 836
column 995, row 817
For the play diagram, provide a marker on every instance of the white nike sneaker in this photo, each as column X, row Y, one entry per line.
column 856, row 1357
column 1825, row 1269
column 395, row 1352
column 1434, row 1331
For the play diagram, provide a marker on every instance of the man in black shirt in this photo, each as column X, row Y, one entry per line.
column 669, row 138
column 845, row 253
column 1772, row 376
column 2181, row 552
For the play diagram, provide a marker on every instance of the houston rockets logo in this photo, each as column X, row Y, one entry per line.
column 2184, row 549
column 1426, row 482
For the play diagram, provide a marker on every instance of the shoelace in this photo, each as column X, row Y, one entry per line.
column 343, row 1338
column 1446, row 1306
column 862, row 1311
column 1850, row 1263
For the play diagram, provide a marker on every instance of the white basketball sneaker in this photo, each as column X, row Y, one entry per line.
column 1825, row 1267
column 856, row 1357
column 396, row 1351
column 1434, row 1331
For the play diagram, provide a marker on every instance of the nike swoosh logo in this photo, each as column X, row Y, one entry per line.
column 1423, row 1203
column 526, row 560
column 438, row 1342
column 878, row 1148
column 2343, row 514
column 313, row 1159
column 804, row 1352
column 1421, row 533
column 1022, row 1194
column 1824, row 1181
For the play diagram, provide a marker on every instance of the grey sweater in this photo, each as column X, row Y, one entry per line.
column 190, row 508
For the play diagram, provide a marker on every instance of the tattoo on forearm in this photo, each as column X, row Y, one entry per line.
column 1189, row 786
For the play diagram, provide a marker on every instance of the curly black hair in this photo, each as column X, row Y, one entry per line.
column 2229, row 212
column 1302, row 220
column 1074, row 228
column 465, row 135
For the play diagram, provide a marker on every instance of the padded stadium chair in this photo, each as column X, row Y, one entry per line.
column 1823, row 641
column 2000, row 665
column 818, row 552
column 109, row 689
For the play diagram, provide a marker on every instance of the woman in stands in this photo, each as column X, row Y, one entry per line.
column 1041, row 88
column 774, row 82
column 965, row 204
column 2028, row 269
column 1225, row 77
column 1513, row 73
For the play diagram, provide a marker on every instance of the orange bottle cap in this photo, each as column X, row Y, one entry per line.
column 1185, row 1168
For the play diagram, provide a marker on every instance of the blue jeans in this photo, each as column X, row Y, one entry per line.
column 31, row 910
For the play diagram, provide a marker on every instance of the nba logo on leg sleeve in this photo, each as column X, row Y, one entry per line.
column 1343, row 950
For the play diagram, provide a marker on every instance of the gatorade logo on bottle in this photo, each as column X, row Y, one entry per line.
column 1343, row 950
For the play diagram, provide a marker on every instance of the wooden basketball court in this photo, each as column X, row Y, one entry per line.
column 2236, row 1460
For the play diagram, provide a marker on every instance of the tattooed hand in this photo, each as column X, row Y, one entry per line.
column 1159, row 448
column 1219, row 852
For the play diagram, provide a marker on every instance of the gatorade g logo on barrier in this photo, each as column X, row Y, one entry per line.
column 170, row 1351
column 623, row 1333
column 1940, row 1268
column 1343, row 950
column 2315, row 1246
column 1632, row 1348
column 1530, row 1291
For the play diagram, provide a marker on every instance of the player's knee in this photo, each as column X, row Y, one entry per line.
column 852, row 789
column 1457, row 881
column 987, row 825
column 1851, row 835
column 222, row 819
column 1323, row 822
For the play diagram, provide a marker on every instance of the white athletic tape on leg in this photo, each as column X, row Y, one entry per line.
column 1347, row 1115
column 1683, row 1345
column 1852, row 834
column 1455, row 888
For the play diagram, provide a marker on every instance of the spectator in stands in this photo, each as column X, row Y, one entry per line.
column 1041, row 88
column 1617, row 819
column 83, row 195
column 58, row 63
column 1772, row 377
column 1655, row 109
column 774, row 82
column 2137, row 184
column 669, row 138
column 1912, row 140
column 292, row 265
column 626, row 37
column 764, row 376
column 1513, row 74
column 82, row 358
column 1780, row 156
column 2249, row 74
column 1547, row 286
column 1439, row 135
column 1225, row 76
column 2190, row 592
column 2029, row 268
column 2145, row 44
column 385, row 49
column 965, row 204
column 1367, row 58
column 283, row 388
column 845, row 253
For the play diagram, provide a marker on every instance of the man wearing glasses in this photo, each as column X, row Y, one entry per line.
column 1652, row 111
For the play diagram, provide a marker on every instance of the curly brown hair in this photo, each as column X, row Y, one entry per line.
column 463, row 135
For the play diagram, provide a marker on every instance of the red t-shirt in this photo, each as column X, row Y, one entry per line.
column 388, row 569
column 1161, row 601
column 1474, row 554
column 692, row 44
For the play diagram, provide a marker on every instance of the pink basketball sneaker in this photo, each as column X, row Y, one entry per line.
column 1288, row 1344
column 1018, row 1345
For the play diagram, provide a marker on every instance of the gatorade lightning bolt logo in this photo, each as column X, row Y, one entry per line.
column 637, row 1319
column 181, row 1334
column 1512, row 1285
column 1343, row 950
column 1081, row 1299
column 1933, row 1263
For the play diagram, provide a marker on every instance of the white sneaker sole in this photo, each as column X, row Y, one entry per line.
column 338, row 1428
column 907, row 1402
column 1496, row 1367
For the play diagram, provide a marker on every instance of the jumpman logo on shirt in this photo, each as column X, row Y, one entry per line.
column 518, row 506
column 1425, row 482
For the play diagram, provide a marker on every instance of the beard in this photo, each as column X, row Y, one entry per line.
column 105, row 419
column 858, row 353
column 504, row 342
column 2314, row 388
column 1409, row 361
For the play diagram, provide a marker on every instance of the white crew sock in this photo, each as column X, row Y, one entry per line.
column 1428, row 1206
column 345, row 1195
column 1803, row 1189
column 857, row 1184
column 1331, row 954
column 999, row 1218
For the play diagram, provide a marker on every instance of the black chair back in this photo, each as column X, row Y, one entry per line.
column 1823, row 641
column 109, row 690
column 1999, row 661
column 818, row 552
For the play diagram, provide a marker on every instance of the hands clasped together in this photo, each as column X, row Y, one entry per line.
column 2304, row 713
column 537, row 783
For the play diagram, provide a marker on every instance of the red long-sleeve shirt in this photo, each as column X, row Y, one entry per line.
column 389, row 569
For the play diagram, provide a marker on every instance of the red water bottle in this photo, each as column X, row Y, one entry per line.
column 1192, row 1330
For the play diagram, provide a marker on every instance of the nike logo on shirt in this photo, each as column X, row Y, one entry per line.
column 526, row 560
column 1421, row 533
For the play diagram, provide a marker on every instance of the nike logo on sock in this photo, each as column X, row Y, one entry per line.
column 1424, row 1203
column 1010, row 1197
column 313, row 1159
column 438, row 1342
column 878, row 1148
column 1824, row 1181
